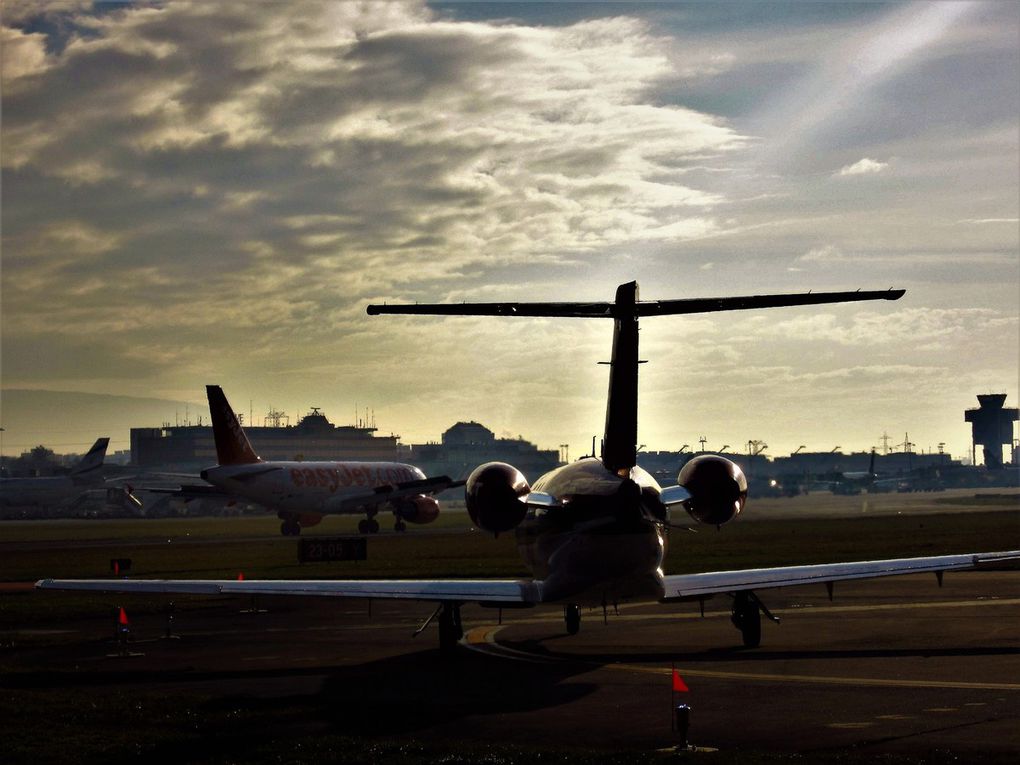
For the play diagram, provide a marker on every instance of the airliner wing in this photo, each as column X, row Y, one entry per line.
column 495, row 591
column 526, row 592
column 680, row 586
column 349, row 502
column 191, row 491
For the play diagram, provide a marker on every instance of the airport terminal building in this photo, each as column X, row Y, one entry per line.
column 313, row 438
column 466, row 445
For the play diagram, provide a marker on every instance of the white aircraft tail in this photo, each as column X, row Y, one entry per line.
column 90, row 465
column 232, row 445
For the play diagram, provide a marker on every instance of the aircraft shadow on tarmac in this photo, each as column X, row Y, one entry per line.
column 399, row 694
column 417, row 691
column 539, row 648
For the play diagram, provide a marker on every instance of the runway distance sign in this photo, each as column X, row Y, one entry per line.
column 326, row 549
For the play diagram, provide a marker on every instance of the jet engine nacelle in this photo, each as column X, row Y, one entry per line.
column 493, row 495
column 420, row 509
column 717, row 487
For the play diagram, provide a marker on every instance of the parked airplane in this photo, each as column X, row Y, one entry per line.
column 84, row 481
column 594, row 532
column 303, row 492
column 854, row 481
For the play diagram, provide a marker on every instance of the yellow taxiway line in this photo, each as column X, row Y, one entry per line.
column 483, row 639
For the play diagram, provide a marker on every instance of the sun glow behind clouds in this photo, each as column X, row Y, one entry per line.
column 200, row 192
column 868, row 58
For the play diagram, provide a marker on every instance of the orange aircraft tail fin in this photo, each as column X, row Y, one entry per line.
column 232, row 445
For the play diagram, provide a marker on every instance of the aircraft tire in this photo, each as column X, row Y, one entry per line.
column 400, row 526
column 746, row 617
column 363, row 526
column 450, row 629
column 572, row 617
column 373, row 526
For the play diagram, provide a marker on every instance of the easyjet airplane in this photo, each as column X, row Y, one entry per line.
column 593, row 532
column 302, row 493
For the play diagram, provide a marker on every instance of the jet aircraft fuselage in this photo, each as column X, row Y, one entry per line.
column 302, row 493
column 319, row 487
column 603, row 540
column 52, row 491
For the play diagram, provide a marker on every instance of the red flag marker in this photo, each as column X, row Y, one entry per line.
column 679, row 686
column 122, row 617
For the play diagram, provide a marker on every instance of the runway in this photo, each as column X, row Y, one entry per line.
column 897, row 667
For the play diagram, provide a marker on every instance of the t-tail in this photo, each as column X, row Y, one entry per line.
column 619, row 442
column 619, row 445
column 90, row 465
column 232, row 445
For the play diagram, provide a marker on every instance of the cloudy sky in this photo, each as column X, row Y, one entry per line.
column 200, row 192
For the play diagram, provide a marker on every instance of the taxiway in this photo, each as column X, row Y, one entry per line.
column 896, row 667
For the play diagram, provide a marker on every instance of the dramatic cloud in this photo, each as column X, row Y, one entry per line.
column 204, row 192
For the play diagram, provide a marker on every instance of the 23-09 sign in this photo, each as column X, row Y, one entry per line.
column 325, row 549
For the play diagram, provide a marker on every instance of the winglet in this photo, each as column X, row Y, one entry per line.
column 232, row 445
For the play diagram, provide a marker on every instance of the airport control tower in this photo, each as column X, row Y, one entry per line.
column 992, row 427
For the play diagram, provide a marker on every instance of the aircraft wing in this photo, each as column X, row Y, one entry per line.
column 348, row 502
column 679, row 586
column 527, row 592
column 495, row 591
column 191, row 491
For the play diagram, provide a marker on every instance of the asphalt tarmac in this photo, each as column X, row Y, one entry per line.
column 890, row 667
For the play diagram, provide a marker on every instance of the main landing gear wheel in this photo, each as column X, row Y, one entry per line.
column 368, row 526
column 450, row 629
column 399, row 526
column 572, row 616
column 746, row 617
column 290, row 528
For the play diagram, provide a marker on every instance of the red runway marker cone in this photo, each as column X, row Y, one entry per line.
column 240, row 576
column 122, row 618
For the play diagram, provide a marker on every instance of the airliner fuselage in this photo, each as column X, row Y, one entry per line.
column 307, row 486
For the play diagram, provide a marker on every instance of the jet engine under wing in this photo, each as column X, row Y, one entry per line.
column 678, row 586
column 380, row 494
column 461, row 590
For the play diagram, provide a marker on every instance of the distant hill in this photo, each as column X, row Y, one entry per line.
column 70, row 422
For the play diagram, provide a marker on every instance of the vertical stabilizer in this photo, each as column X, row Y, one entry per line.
column 232, row 446
column 92, row 462
column 619, row 446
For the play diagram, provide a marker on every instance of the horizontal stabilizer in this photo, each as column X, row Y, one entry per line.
column 643, row 308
